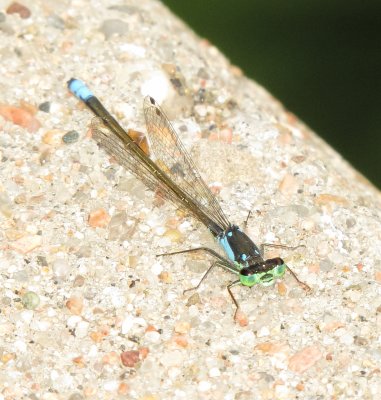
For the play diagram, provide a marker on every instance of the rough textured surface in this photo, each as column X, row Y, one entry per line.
column 87, row 310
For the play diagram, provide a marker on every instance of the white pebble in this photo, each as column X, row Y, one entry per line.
column 60, row 268
column 20, row 346
column 264, row 331
column 79, row 235
column 111, row 386
column 54, row 375
column 346, row 339
column 157, row 268
column 152, row 336
column 82, row 329
column 72, row 321
column 174, row 372
column 214, row 372
column 27, row 316
column 172, row 358
column 5, row 328
column 133, row 49
column 204, row 386
column 41, row 326
column 247, row 338
column 127, row 324
column 156, row 85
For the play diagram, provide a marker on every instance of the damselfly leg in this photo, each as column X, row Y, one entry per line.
column 282, row 246
column 222, row 262
column 232, row 284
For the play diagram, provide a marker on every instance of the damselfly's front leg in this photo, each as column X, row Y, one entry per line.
column 281, row 246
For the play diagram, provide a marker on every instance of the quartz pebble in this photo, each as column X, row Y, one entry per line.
column 60, row 268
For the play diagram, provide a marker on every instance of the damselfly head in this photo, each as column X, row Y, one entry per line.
column 264, row 272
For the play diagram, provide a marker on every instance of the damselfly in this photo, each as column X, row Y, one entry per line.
column 173, row 174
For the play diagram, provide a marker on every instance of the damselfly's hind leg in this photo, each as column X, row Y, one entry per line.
column 303, row 285
column 205, row 249
column 281, row 246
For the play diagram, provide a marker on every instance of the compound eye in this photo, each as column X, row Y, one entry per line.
column 248, row 277
column 274, row 261
column 247, row 271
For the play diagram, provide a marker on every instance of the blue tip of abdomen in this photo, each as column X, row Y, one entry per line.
column 79, row 89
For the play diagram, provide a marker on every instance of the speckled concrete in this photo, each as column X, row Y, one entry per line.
column 86, row 309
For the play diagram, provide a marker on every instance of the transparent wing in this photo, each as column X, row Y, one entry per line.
column 171, row 156
column 130, row 150
column 121, row 147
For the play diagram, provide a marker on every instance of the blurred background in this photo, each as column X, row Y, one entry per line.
column 321, row 59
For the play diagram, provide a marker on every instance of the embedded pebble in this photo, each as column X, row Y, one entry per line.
column 272, row 348
column 75, row 305
column 174, row 235
column 53, row 137
column 214, row 372
column 172, row 358
column 45, row 106
column 60, row 268
column 204, row 386
column 289, row 185
column 346, row 339
column 165, row 277
column 82, row 329
column 181, row 341
column 21, row 10
column 241, row 318
column 156, row 85
column 153, row 337
column 112, row 27
column 30, row 300
column 263, row 331
column 6, row 205
column 130, row 358
column 70, row 137
column 99, row 218
column 182, row 327
column 26, row 244
column 304, row 359
column 194, row 299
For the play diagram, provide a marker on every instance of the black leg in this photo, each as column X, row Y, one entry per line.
column 232, row 284
column 206, row 249
column 278, row 246
column 247, row 220
column 302, row 284
column 281, row 246
column 205, row 275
